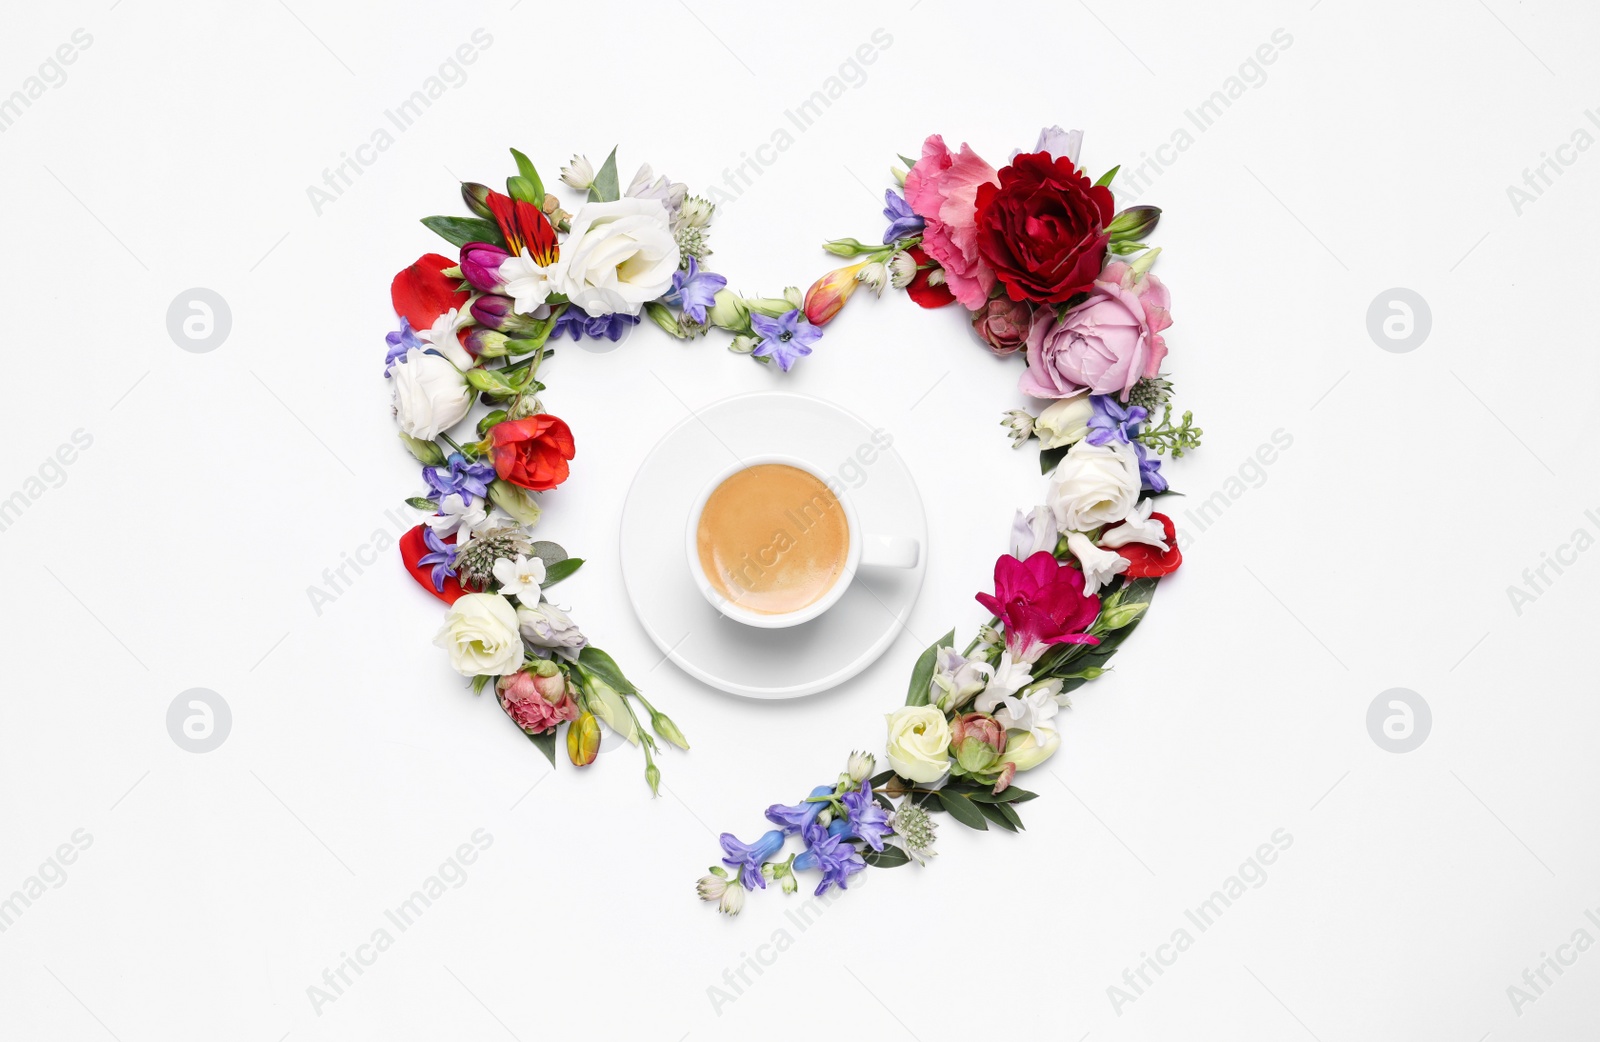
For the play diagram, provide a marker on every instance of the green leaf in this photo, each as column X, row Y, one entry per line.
column 1106, row 177
column 480, row 682
column 1011, row 814
column 604, row 189
column 606, row 668
column 422, row 504
column 1010, row 795
column 962, row 809
column 922, row 674
column 550, row 553
column 545, row 742
column 526, row 170
column 878, row 780
column 995, row 813
column 908, row 162
column 890, row 856
column 458, row 231
column 524, row 190
column 1137, row 591
column 1048, row 458
column 554, row 573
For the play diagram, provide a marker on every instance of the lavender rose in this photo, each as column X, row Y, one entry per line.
column 1105, row 344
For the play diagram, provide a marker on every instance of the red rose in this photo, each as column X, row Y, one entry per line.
column 1043, row 228
column 928, row 294
column 533, row 452
column 1145, row 561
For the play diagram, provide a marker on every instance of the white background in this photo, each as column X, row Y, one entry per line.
column 1375, row 553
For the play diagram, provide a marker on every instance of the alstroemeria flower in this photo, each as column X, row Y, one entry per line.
column 836, row 858
column 1041, row 602
column 797, row 817
column 748, row 858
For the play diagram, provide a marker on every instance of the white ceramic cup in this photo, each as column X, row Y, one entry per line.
column 865, row 549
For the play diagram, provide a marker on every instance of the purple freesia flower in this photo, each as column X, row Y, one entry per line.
column 461, row 476
column 694, row 290
column 581, row 324
column 749, row 859
column 836, row 858
column 903, row 221
column 784, row 339
column 868, row 820
column 797, row 817
column 1150, row 469
column 480, row 266
column 443, row 558
column 400, row 341
column 1113, row 421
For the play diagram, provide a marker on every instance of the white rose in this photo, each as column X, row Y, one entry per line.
column 919, row 743
column 1063, row 422
column 430, row 394
column 1094, row 485
column 618, row 256
column 480, row 633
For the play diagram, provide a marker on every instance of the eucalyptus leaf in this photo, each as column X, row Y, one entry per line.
column 550, row 553
column 419, row 503
column 458, row 231
column 604, row 189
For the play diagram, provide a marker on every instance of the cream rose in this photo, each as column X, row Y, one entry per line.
column 1063, row 422
column 618, row 256
column 919, row 743
column 1094, row 485
column 430, row 394
column 480, row 633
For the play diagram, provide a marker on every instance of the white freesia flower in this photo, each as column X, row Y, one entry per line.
column 1094, row 485
column 1010, row 676
column 618, row 256
column 519, row 576
column 527, row 282
column 957, row 678
column 919, row 743
column 578, row 174
column 455, row 514
column 480, row 633
column 1138, row 527
column 430, row 394
column 1028, row 711
column 1063, row 422
column 1099, row 566
column 442, row 338
column 1034, row 531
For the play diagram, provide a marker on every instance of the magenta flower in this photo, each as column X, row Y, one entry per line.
column 480, row 265
column 1041, row 602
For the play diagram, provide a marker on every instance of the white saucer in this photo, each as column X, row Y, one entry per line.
column 743, row 660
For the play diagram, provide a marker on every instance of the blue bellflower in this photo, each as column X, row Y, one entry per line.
column 903, row 221
column 694, row 290
column 836, row 858
column 1112, row 421
column 797, row 817
column 869, row 822
column 785, row 339
column 400, row 341
column 581, row 324
column 461, row 476
column 443, row 558
column 749, row 859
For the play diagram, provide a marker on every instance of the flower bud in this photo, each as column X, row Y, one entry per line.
column 827, row 295
column 772, row 307
column 490, row 381
column 477, row 199
column 1134, row 223
column 1019, row 424
column 652, row 777
column 1003, row 324
column 1064, row 422
column 1027, row 752
column 874, row 276
column 728, row 311
column 489, row 420
column 977, row 739
column 487, row 343
column 1142, row 265
column 743, row 345
column 578, row 174
column 1118, row 616
column 480, row 266
column 899, row 174
column 847, row 247
column 664, row 317
column 608, row 705
column 859, row 766
column 497, row 312
column 426, row 452
column 514, row 501
column 583, row 740
column 902, row 269
column 663, row 725
column 795, row 298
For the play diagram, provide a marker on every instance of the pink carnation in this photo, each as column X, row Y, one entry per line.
column 941, row 189
column 1105, row 344
column 527, row 699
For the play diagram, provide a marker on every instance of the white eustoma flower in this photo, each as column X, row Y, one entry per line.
column 1094, row 485
column 519, row 576
column 1138, row 527
column 455, row 514
column 618, row 257
column 1034, row 531
column 957, row 678
column 1029, row 711
column 480, row 633
column 1099, row 566
column 527, row 282
column 430, row 394
column 1010, row 676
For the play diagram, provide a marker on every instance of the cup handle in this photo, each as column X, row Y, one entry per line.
column 890, row 551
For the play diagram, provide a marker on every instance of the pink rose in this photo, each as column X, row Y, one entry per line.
column 1105, row 344
column 941, row 189
column 536, row 703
